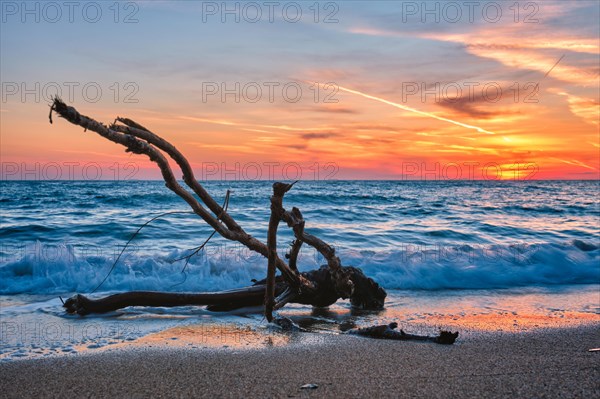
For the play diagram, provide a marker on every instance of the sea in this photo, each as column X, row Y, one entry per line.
column 447, row 252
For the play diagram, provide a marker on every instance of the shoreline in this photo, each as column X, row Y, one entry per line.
column 548, row 362
column 38, row 328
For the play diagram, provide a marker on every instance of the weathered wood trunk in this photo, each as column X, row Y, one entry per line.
column 367, row 295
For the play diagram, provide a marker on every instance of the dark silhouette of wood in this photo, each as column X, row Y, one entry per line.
column 83, row 305
column 319, row 288
column 367, row 295
column 139, row 140
column 144, row 142
column 279, row 189
column 388, row 331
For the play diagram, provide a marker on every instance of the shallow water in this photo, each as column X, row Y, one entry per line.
column 36, row 326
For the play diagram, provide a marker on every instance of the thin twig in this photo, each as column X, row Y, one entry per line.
column 131, row 239
column 199, row 248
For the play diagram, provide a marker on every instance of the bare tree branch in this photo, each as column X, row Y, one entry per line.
column 137, row 130
column 318, row 288
column 292, row 256
column 139, row 140
column 279, row 190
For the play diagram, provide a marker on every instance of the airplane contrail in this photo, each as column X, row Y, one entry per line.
column 414, row 110
column 230, row 123
column 554, row 66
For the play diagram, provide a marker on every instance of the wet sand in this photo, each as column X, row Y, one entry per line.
column 553, row 363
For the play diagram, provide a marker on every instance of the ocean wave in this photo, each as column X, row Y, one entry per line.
column 487, row 266
column 410, row 267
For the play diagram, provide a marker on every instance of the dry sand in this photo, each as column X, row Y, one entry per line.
column 554, row 363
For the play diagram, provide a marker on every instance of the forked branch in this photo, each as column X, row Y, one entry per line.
column 140, row 140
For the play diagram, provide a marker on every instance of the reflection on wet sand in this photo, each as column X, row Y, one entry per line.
column 215, row 336
column 472, row 313
column 459, row 312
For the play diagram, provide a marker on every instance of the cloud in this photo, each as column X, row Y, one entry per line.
column 316, row 136
column 335, row 110
column 585, row 108
column 569, row 28
column 295, row 146
column 478, row 105
column 465, row 106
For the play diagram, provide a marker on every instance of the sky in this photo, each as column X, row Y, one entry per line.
column 310, row 90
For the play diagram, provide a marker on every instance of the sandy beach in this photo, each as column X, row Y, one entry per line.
column 550, row 363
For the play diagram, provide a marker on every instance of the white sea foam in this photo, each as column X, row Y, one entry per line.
column 410, row 267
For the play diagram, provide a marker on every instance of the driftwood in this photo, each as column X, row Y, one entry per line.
column 366, row 295
column 389, row 331
column 319, row 288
